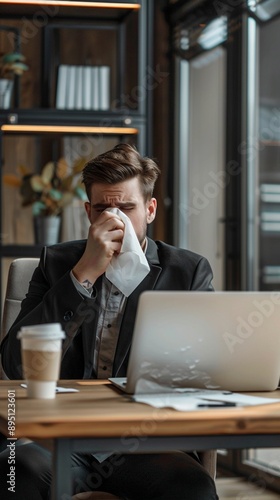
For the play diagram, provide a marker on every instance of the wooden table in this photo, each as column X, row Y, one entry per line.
column 99, row 418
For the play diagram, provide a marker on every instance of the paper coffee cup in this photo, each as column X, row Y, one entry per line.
column 41, row 357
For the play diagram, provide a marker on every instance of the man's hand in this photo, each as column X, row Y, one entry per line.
column 105, row 238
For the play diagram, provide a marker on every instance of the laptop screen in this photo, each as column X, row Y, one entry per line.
column 216, row 340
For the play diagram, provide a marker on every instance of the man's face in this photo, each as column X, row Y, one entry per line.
column 126, row 196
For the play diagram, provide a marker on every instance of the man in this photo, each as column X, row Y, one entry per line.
column 70, row 287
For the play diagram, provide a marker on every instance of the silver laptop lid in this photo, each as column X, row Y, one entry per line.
column 225, row 340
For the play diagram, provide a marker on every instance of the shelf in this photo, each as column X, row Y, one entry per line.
column 60, row 41
column 67, row 9
column 67, row 129
column 38, row 121
column 38, row 129
column 44, row 116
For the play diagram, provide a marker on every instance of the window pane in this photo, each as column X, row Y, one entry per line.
column 265, row 458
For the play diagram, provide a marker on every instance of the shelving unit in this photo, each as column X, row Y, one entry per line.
column 115, row 34
column 269, row 196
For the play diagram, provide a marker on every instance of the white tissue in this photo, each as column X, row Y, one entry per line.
column 130, row 267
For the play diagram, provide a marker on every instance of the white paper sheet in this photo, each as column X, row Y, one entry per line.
column 196, row 399
column 58, row 389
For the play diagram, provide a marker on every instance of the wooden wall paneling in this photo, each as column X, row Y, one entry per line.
column 162, row 123
column 31, row 48
column 17, row 220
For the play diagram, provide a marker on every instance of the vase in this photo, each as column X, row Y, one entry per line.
column 6, row 89
column 46, row 229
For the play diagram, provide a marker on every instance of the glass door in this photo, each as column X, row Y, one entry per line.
column 269, row 155
column 227, row 158
column 200, row 177
column 262, row 190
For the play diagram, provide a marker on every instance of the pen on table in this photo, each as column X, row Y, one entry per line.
column 217, row 400
column 215, row 405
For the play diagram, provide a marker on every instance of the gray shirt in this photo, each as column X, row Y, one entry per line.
column 108, row 327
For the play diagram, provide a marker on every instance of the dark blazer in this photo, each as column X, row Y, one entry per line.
column 52, row 297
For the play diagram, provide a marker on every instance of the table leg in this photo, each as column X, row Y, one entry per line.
column 61, row 480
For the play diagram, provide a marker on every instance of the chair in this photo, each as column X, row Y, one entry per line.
column 19, row 276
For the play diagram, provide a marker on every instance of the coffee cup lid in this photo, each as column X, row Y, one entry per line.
column 48, row 331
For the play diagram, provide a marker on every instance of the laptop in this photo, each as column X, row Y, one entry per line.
column 207, row 340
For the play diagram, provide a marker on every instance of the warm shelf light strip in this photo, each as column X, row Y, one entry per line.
column 74, row 3
column 69, row 129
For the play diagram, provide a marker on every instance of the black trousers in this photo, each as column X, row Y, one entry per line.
column 164, row 476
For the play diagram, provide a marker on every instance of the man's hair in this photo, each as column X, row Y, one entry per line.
column 121, row 163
